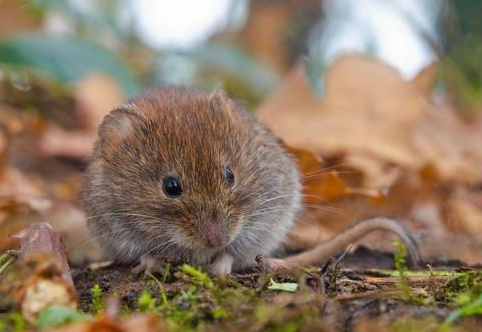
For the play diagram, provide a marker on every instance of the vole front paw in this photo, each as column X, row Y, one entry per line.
column 148, row 264
column 222, row 264
column 277, row 264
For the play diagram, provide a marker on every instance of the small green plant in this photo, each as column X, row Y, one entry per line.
column 162, row 292
column 7, row 259
column 12, row 321
column 97, row 300
column 399, row 260
column 464, row 292
column 468, row 309
column 197, row 275
column 146, row 302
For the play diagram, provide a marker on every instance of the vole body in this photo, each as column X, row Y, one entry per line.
column 236, row 191
column 180, row 175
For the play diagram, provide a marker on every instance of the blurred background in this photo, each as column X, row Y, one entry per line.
column 379, row 100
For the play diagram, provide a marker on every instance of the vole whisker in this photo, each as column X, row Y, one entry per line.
column 169, row 243
column 292, row 195
column 325, row 208
column 104, row 233
column 122, row 214
column 306, row 177
column 329, row 168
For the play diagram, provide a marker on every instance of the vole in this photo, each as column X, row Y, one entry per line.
column 181, row 175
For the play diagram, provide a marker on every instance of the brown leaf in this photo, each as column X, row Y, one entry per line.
column 374, row 118
column 41, row 276
column 19, row 190
column 405, row 148
column 96, row 94
column 369, row 121
column 426, row 78
column 72, row 144
column 322, row 184
column 15, row 19
column 132, row 323
column 466, row 216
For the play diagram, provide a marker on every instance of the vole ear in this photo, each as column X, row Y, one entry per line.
column 219, row 100
column 117, row 125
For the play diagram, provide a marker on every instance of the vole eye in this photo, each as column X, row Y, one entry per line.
column 172, row 186
column 229, row 175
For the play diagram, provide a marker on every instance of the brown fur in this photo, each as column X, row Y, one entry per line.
column 192, row 136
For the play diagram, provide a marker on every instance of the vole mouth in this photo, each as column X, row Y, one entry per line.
column 204, row 245
column 209, row 236
column 200, row 244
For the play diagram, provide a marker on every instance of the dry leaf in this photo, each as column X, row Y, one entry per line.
column 96, row 94
column 132, row 323
column 406, row 149
column 426, row 78
column 466, row 216
column 14, row 19
column 72, row 144
column 369, row 113
column 20, row 190
column 41, row 276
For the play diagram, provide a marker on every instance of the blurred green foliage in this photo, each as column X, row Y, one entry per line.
column 217, row 65
column 460, row 27
column 102, row 38
column 66, row 59
column 56, row 315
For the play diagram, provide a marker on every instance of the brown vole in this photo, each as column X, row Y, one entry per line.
column 180, row 175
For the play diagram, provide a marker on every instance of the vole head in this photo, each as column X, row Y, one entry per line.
column 181, row 166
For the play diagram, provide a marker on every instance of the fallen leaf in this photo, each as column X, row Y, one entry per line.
column 67, row 143
column 322, row 184
column 369, row 112
column 132, row 323
column 41, row 277
column 466, row 216
column 426, row 78
column 18, row 189
column 369, row 122
column 96, row 95
column 402, row 148
column 14, row 19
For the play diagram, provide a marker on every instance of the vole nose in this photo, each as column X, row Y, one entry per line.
column 216, row 234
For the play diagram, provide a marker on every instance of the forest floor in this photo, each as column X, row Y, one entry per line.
column 343, row 295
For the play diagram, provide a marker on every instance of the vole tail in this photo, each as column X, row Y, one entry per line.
column 339, row 242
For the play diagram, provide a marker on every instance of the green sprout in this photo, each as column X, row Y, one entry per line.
column 146, row 302
column 97, row 300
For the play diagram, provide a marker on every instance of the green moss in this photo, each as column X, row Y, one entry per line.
column 463, row 288
column 146, row 302
column 12, row 321
column 97, row 300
